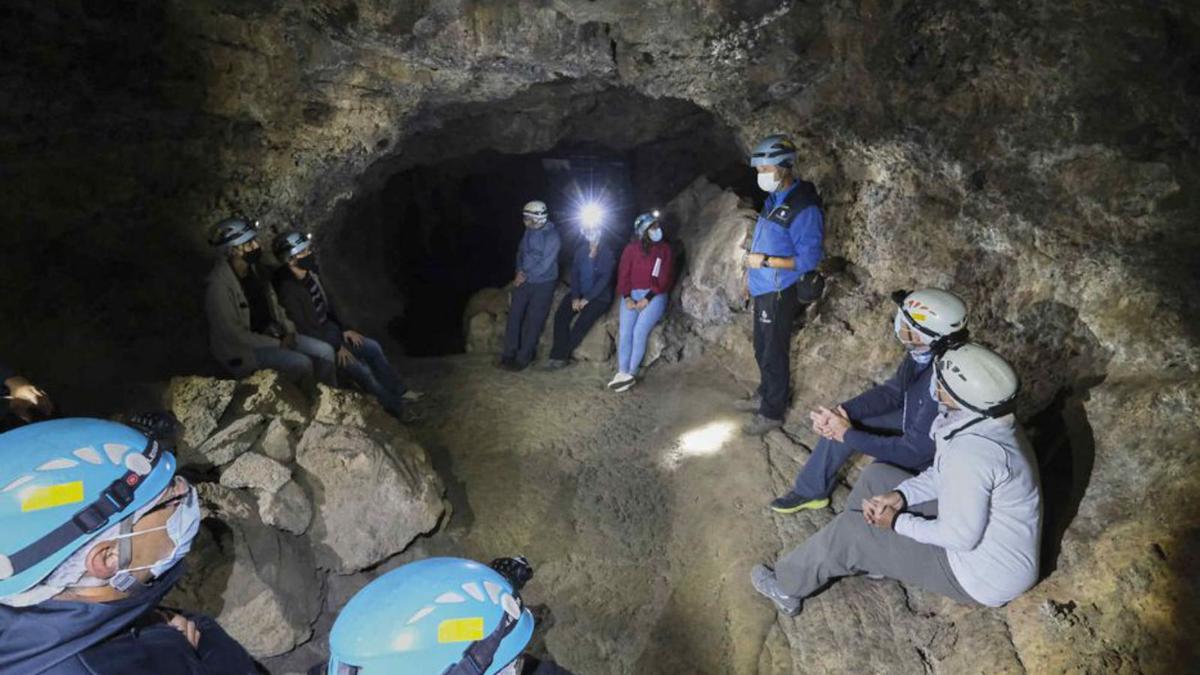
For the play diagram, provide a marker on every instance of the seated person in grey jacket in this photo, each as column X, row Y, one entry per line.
column 248, row 330
column 968, row 527
column 889, row 422
column 312, row 311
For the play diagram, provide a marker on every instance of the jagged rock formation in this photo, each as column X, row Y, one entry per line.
column 298, row 493
column 1032, row 155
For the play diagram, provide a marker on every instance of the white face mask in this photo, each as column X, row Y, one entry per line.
column 181, row 528
column 655, row 234
column 768, row 181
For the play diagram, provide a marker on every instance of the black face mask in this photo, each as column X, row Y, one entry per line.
column 308, row 264
column 252, row 257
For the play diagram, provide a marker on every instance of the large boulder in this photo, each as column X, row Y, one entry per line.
column 714, row 225
column 260, row 584
column 266, row 392
column 373, row 494
column 227, row 444
column 253, row 470
column 199, row 403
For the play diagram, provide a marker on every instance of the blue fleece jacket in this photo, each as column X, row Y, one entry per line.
column 907, row 392
column 592, row 278
column 124, row 637
column 537, row 256
column 791, row 225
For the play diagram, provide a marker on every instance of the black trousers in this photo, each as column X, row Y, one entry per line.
column 568, row 334
column 526, row 318
column 773, row 317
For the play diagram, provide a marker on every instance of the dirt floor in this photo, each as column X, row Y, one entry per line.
column 642, row 513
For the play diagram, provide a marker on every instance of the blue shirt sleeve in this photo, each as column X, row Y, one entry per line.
column 604, row 275
column 808, row 238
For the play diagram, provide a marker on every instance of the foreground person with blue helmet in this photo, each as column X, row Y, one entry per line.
column 439, row 616
column 93, row 525
column 787, row 245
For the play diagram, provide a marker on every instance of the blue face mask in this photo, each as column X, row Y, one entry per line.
column 181, row 527
column 656, row 235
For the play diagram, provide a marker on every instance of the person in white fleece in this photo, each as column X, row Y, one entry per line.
column 968, row 527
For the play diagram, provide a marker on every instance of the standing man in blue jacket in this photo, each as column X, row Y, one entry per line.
column 533, row 287
column 788, row 243
column 590, row 297
column 889, row 422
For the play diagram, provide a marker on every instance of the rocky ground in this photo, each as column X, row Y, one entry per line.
column 642, row 514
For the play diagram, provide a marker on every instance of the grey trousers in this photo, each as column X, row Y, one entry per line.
column 848, row 545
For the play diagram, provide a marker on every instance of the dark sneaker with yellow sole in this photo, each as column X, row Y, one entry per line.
column 792, row 502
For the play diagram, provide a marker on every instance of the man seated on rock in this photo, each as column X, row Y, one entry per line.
column 968, row 527
column 89, row 549
column 533, row 287
column 590, row 296
column 889, row 422
column 247, row 328
column 312, row 311
column 25, row 401
column 442, row 616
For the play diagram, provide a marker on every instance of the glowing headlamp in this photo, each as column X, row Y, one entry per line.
column 591, row 215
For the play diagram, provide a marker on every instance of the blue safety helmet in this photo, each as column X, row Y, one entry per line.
column 430, row 617
column 233, row 232
column 62, row 483
column 775, row 150
column 291, row 244
column 644, row 221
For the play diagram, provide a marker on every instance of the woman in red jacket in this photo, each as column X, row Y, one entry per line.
column 644, row 284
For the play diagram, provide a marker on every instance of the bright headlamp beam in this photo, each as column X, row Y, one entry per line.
column 591, row 214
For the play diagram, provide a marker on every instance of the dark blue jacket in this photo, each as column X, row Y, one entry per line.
column 124, row 637
column 592, row 278
column 791, row 225
column 907, row 392
column 537, row 256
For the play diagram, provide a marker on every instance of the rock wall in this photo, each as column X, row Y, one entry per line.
column 1031, row 155
column 293, row 496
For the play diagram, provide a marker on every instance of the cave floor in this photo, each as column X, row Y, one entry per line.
column 642, row 513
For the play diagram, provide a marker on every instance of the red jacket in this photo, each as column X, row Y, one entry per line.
column 653, row 269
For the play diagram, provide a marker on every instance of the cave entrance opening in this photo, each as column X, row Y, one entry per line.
column 441, row 219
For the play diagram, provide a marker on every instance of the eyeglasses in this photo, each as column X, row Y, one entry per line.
column 171, row 501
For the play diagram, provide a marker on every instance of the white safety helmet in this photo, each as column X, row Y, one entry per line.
column 536, row 211
column 978, row 379
column 939, row 316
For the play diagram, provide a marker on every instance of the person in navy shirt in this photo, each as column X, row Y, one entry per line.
column 788, row 243
column 589, row 299
column 533, row 287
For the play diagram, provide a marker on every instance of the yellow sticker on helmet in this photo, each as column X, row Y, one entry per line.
column 50, row 496
column 461, row 630
column 918, row 317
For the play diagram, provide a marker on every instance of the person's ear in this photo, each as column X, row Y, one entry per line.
column 102, row 561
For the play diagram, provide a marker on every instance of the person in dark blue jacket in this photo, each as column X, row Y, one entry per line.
column 89, row 549
column 533, row 287
column 788, row 243
column 889, row 422
column 590, row 297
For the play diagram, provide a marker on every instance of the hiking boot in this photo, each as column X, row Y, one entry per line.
column 512, row 366
column 555, row 364
column 764, row 581
column 792, row 502
column 760, row 425
column 751, row 404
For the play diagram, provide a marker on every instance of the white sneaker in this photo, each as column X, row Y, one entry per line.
column 620, row 379
column 412, row 396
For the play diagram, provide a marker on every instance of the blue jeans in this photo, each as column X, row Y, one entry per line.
column 308, row 359
column 816, row 479
column 636, row 325
column 372, row 371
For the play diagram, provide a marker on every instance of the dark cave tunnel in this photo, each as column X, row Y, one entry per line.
column 443, row 225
